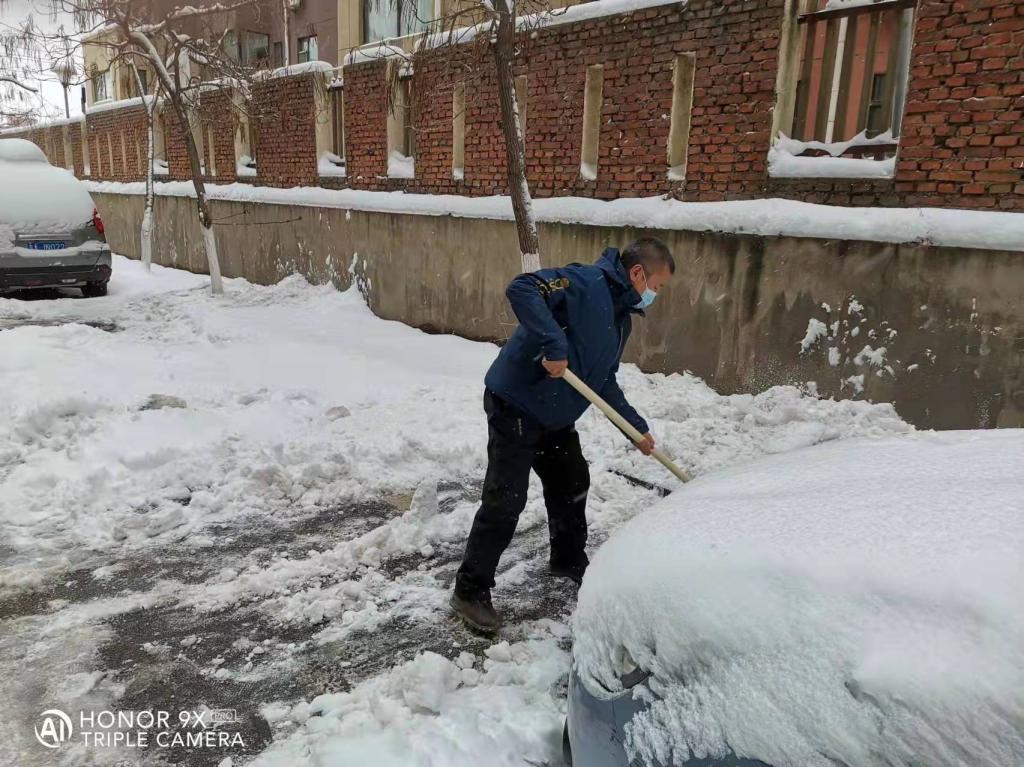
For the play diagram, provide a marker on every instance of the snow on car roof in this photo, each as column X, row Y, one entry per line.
column 20, row 150
column 36, row 197
column 852, row 603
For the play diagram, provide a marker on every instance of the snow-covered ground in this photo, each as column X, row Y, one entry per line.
column 258, row 502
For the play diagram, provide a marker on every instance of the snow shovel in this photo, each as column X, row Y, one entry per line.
column 625, row 426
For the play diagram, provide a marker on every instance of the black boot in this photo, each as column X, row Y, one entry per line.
column 477, row 613
column 573, row 572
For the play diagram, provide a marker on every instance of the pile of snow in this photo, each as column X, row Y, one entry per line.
column 785, row 160
column 330, row 164
column 781, row 164
column 400, row 166
column 20, row 150
column 769, row 218
column 856, row 603
column 36, row 197
column 435, row 711
column 246, row 166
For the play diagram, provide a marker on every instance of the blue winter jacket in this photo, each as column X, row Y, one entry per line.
column 577, row 312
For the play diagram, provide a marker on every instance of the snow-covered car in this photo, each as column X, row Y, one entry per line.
column 50, row 233
column 855, row 603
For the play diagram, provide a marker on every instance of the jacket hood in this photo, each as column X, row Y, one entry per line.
column 623, row 293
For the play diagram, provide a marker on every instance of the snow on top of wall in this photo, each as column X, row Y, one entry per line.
column 106, row 106
column 42, row 125
column 373, row 53
column 768, row 217
column 303, row 68
column 583, row 12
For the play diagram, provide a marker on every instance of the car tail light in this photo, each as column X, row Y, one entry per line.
column 97, row 221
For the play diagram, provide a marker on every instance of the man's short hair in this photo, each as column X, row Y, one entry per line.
column 651, row 253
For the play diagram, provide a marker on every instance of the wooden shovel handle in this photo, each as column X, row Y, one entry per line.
column 573, row 380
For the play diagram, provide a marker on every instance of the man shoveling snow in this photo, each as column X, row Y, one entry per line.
column 578, row 317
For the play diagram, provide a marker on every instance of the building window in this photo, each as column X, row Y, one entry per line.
column 308, row 50
column 682, row 107
column 278, row 58
column 847, row 88
column 144, row 77
column 100, row 86
column 256, row 50
column 395, row 18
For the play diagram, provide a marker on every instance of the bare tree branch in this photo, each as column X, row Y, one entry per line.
column 15, row 81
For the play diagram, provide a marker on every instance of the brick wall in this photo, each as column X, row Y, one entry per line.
column 962, row 143
column 120, row 135
column 735, row 44
column 284, row 113
column 963, row 131
column 366, row 117
column 218, row 118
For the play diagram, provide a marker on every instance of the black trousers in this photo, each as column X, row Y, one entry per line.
column 516, row 444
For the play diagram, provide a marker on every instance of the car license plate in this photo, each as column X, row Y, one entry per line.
column 47, row 245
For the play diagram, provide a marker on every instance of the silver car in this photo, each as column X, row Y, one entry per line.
column 51, row 235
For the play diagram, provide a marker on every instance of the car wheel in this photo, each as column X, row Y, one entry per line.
column 94, row 289
column 566, row 745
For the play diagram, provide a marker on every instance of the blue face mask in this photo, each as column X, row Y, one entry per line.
column 646, row 298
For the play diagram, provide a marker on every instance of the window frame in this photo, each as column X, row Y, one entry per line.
column 299, row 50
column 247, row 58
column 400, row 22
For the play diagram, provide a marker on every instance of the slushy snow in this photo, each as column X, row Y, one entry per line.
column 855, row 603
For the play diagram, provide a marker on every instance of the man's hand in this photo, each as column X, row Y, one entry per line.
column 646, row 446
column 555, row 368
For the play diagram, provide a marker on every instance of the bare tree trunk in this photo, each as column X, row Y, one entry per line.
column 172, row 87
column 146, row 233
column 205, row 219
column 503, row 49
